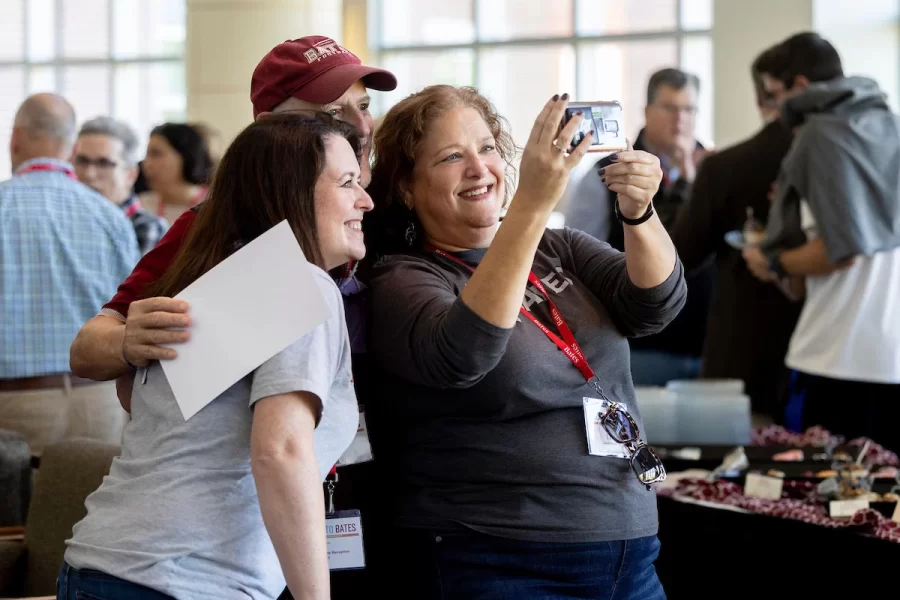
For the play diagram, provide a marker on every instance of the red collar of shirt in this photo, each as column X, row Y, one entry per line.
column 38, row 165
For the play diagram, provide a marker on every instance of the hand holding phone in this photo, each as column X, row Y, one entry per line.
column 605, row 118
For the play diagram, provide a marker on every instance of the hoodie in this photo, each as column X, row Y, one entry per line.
column 845, row 162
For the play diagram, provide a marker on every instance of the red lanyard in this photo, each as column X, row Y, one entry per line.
column 567, row 344
column 48, row 167
column 133, row 208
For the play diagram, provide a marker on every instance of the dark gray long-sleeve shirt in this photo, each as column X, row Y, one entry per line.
column 484, row 426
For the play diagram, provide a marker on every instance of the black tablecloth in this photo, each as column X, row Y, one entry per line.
column 718, row 553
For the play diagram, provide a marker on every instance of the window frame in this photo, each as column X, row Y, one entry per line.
column 60, row 62
column 379, row 48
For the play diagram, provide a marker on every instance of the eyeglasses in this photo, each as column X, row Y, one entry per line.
column 674, row 109
column 622, row 428
column 102, row 164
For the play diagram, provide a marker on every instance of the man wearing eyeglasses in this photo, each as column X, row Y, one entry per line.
column 106, row 161
column 670, row 119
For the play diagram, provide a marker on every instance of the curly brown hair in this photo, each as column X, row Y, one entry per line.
column 396, row 142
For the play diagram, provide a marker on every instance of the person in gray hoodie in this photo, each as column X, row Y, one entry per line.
column 835, row 223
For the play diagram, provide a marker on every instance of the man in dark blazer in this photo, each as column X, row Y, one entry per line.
column 750, row 322
column 670, row 118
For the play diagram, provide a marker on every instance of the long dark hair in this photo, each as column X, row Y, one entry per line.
column 267, row 175
column 188, row 141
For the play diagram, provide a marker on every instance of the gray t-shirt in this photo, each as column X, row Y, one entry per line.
column 178, row 512
column 484, row 426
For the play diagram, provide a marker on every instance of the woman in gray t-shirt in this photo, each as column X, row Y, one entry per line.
column 228, row 504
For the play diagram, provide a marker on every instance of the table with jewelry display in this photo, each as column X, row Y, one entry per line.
column 764, row 520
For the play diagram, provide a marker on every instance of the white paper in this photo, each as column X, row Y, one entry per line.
column 244, row 311
column 599, row 442
column 343, row 533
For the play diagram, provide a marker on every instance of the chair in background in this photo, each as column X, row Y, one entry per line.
column 15, row 478
column 70, row 471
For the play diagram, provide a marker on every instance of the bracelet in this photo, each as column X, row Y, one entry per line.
column 125, row 358
column 776, row 267
column 643, row 218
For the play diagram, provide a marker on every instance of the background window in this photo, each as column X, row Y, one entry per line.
column 521, row 52
column 123, row 58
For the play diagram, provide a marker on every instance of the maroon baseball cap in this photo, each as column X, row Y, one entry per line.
column 314, row 68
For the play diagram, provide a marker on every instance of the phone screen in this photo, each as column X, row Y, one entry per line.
column 605, row 118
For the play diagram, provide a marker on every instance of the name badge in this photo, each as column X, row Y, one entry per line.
column 845, row 509
column 763, row 486
column 360, row 450
column 599, row 441
column 343, row 530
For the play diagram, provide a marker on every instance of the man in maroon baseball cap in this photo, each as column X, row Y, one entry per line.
column 317, row 73
column 308, row 73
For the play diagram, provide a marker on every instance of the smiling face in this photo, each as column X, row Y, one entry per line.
column 341, row 203
column 457, row 186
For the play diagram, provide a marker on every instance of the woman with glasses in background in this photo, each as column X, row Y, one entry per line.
column 491, row 335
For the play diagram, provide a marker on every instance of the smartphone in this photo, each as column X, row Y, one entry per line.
column 605, row 118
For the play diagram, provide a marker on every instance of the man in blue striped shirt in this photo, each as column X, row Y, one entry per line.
column 63, row 250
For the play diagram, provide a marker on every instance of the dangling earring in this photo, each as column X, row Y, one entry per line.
column 410, row 234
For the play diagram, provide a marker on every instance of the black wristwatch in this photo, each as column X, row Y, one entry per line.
column 776, row 267
column 642, row 219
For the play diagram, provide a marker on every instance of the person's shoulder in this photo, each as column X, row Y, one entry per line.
column 8, row 184
column 558, row 243
column 399, row 270
column 143, row 217
column 326, row 284
column 557, row 237
column 729, row 155
column 564, row 238
column 768, row 144
column 390, row 262
column 92, row 205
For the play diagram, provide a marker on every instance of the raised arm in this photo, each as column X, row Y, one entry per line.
column 427, row 334
column 636, row 311
column 649, row 253
column 423, row 331
column 495, row 290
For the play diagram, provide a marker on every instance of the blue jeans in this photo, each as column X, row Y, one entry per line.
column 649, row 367
column 85, row 584
column 474, row 566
